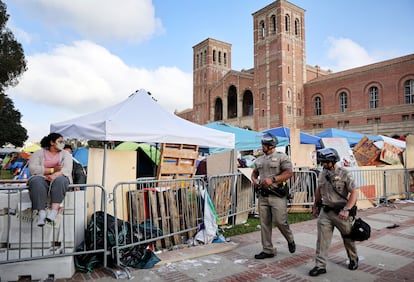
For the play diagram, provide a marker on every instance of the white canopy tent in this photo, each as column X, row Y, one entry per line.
column 141, row 119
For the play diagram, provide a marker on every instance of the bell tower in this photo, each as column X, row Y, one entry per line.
column 279, row 65
column 211, row 61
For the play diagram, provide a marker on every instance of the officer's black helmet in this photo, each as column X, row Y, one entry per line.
column 269, row 139
column 327, row 155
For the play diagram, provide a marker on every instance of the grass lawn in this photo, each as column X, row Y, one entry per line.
column 253, row 222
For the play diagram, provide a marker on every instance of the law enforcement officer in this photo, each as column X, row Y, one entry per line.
column 336, row 196
column 269, row 176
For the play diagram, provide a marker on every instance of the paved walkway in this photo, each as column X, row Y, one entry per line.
column 387, row 256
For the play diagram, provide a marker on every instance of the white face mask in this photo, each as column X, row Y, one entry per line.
column 60, row 146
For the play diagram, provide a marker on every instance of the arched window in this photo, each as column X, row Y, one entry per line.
column 219, row 58
column 198, row 61
column 205, row 57
column 232, row 102
column 409, row 91
column 214, row 56
column 247, row 103
column 262, row 29
column 218, row 110
column 317, row 106
column 343, row 102
column 373, row 97
column 273, row 22
column 287, row 23
column 225, row 58
column 297, row 27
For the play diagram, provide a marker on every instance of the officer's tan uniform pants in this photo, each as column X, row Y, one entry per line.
column 326, row 223
column 273, row 210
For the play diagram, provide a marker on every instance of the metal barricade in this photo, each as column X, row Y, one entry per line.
column 302, row 187
column 380, row 184
column 21, row 240
column 232, row 196
column 156, row 213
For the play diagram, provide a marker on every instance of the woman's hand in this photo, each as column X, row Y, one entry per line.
column 53, row 176
column 57, row 168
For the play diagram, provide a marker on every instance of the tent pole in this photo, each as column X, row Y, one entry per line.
column 104, row 163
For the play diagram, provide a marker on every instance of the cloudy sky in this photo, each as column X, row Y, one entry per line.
column 84, row 55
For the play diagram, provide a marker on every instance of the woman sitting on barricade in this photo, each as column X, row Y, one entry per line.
column 51, row 173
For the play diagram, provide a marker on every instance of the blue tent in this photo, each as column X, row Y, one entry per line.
column 304, row 137
column 245, row 139
column 352, row 137
column 81, row 155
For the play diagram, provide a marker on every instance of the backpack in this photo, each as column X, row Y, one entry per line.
column 78, row 173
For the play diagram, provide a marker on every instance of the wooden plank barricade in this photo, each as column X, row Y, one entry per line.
column 171, row 206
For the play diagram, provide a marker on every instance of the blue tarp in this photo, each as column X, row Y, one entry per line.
column 304, row 137
column 352, row 137
column 245, row 139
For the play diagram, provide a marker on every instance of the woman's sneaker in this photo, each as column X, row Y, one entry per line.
column 51, row 215
column 41, row 217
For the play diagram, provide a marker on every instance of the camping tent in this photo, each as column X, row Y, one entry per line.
column 31, row 148
column 81, row 155
column 141, row 119
column 7, row 150
column 151, row 151
column 245, row 139
column 304, row 137
column 352, row 137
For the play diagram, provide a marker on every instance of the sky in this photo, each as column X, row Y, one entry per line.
column 85, row 55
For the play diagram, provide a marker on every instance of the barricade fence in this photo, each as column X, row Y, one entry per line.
column 158, row 214
column 22, row 240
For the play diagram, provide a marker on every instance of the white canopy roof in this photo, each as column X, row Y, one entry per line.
column 141, row 119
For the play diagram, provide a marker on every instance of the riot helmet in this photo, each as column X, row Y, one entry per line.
column 327, row 155
column 269, row 139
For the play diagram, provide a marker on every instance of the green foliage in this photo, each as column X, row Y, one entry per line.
column 12, row 65
column 11, row 130
column 12, row 59
column 253, row 222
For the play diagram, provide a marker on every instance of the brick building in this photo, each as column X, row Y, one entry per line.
column 281, row 90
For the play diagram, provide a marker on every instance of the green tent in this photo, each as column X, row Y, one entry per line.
column 151, row 151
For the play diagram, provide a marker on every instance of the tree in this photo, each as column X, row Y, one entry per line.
column 12, row 65
column 11, row 130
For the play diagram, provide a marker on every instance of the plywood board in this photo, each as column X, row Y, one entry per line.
column 222, row 163
column 120, row 166
column 304, row 155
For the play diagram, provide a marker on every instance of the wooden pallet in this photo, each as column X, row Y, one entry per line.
column 177, row 161
column 170, row 210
